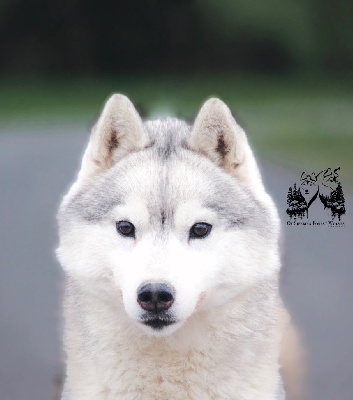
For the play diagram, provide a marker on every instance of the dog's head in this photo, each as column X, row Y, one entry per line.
column 167, row 219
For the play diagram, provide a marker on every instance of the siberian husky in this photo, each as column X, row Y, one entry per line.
column 169, row 243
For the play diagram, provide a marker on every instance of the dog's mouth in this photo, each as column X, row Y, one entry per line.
column 157, row 322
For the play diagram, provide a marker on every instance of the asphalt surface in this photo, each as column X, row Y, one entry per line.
column 36, row 168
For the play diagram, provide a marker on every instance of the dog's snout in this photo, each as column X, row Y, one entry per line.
column 155, row 297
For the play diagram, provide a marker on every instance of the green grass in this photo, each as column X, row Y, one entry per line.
column 303, row 122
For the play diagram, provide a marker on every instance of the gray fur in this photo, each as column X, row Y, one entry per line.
column 94, row 201
column 167, row 136
column 234, row 204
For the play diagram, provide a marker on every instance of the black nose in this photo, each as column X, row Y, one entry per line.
column 155, row 297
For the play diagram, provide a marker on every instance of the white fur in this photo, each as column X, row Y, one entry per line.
column 225, row 344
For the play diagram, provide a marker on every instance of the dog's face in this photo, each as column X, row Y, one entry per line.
column 166, row 228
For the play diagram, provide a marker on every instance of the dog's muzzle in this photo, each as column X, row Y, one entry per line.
column 156, row 299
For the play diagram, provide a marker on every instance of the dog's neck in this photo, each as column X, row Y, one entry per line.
column 242, row 337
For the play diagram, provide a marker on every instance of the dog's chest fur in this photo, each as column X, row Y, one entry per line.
column 210, row 358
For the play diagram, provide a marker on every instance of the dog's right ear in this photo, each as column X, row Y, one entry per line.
column 118, row 132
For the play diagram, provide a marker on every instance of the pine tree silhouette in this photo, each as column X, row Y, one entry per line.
column 340, row 195
column 289, row 195
column 337, row 202
column 296, row 203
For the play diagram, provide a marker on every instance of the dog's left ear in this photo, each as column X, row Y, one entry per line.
column 216, row 135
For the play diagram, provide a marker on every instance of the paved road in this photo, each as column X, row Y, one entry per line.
column 36, row 167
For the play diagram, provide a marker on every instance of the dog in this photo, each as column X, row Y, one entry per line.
column 170, row 247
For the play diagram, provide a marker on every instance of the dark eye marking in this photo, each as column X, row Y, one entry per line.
column 125, row 228
column 200, row 230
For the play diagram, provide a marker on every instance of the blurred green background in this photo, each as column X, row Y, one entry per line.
column 285, row 68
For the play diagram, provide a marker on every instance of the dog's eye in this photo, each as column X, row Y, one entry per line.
column 125, row 228
column 200, row 230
